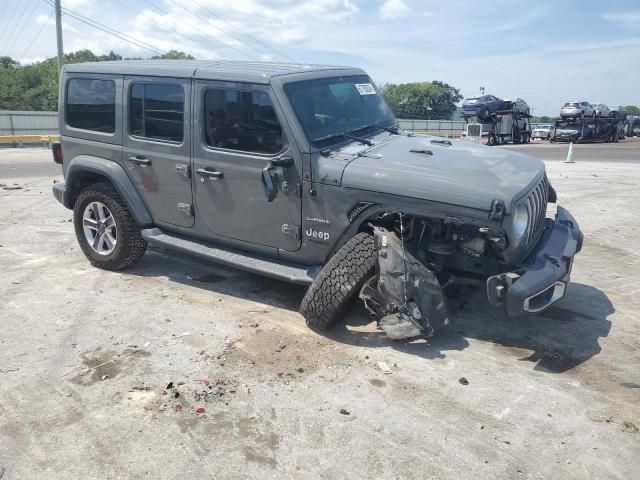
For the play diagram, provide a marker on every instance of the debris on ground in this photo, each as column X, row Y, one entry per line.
column 140, row 387
column 384, row 367
column 463, row 381
column 345, row 412
column 630, row 427
column 200, row 410
column 603, row 419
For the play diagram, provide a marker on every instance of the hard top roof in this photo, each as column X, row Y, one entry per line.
column 255, row 72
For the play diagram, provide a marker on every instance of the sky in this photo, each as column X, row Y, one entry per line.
column 547, row 52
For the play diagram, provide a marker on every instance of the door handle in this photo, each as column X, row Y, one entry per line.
column 140, row 160
column 204, row 173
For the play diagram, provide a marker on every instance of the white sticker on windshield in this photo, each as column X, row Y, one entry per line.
column 365, row 89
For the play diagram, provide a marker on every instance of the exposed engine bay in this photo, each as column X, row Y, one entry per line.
column 418, row 260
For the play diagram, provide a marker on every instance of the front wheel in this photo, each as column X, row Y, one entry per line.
column 339, row 280
column 107, row 233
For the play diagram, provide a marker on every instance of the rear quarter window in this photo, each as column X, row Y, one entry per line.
column 91, row 104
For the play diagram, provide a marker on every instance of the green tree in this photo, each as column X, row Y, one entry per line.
column 436, row 100
column 173, row 55
column 632, row 110
column 35, row 86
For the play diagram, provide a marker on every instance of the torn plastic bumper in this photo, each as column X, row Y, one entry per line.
column 543, row 277
column 405, row 295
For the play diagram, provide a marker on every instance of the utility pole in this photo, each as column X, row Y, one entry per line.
column 59, row 36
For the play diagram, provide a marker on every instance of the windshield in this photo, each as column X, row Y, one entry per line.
column 327, row 107
column 571, row 104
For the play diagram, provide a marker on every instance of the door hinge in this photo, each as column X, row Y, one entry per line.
column 186, row 208
column 289, row 188
column 183, row 170
column 292, row 230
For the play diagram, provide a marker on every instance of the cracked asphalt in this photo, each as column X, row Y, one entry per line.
column 182, row 369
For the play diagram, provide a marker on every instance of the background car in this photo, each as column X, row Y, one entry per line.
column 601, row 110
column 577, row 110
column 517, row 104
column 618, row 111
column 544, row 132
column 482, row 106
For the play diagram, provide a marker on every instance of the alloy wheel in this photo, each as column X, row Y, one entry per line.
column 99, row 228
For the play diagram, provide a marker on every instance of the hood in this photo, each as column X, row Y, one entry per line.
column 465, row 173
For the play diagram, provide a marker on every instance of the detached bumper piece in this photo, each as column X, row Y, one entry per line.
column 543, row 277
column 405, row 295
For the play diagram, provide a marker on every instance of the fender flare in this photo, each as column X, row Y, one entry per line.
column 112, row 171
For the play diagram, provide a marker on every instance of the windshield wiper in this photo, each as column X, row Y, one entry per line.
column 343, row 135
column 392, row 129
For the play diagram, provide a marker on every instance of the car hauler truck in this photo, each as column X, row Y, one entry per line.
column 504, row 126
column 588, row 130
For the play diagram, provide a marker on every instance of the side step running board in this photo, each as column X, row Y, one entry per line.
column 233, row 258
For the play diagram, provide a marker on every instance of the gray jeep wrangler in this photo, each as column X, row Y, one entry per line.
column 300, row 172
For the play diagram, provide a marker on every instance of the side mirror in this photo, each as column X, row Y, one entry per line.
column 270, row 189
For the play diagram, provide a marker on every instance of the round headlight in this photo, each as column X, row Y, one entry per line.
column 520, row 220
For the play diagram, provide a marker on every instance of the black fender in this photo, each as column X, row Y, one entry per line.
column 86, row 169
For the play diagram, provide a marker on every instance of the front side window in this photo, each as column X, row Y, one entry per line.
column 328, row 107
column 241, row 120
column 91, row 104
column 156, row 111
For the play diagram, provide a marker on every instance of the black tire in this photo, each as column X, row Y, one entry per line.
column 338, row 281
column 492, row 140
column 130, row 245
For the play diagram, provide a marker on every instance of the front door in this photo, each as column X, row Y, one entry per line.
column 238, row 130
column 157, row 145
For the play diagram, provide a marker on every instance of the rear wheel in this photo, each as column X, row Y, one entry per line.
column 339, row 280
column 107, row 233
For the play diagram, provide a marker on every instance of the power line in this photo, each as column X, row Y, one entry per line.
column 4, row 8
column 11, row 22
column 111, row 31
column 4, row 29
column 242, row 42
column 199, row 30
column 21, row 29
column 26, row 50
column 210, row 12
column 15, row 24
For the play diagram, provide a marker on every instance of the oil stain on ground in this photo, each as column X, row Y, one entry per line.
column 101, row 365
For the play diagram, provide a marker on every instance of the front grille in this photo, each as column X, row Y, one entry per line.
column 536, row 205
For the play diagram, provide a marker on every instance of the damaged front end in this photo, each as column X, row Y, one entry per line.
column 405, row 295
column 418, row 260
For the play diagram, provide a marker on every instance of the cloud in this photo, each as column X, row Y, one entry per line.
column 392, row 9
column 628, row 19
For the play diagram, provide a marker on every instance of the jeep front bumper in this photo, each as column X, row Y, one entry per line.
column 542, row 278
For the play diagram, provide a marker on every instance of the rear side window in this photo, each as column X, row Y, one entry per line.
column 156, row 111
column 91, row 104
column 241, row 120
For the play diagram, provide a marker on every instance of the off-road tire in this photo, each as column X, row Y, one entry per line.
column 130, row 246
column 338, row 281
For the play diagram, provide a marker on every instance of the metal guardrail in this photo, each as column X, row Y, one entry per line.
column 28, row 123
column 435, row 127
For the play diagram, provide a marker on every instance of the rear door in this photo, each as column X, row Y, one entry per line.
column 238, row 130
column 157, row 145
